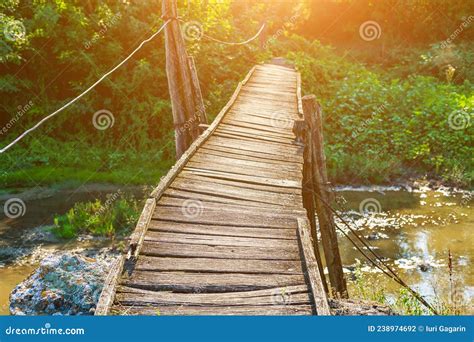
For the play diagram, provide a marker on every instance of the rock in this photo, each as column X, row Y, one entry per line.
column 376, row 236
column 64, row 284
column 351, row 307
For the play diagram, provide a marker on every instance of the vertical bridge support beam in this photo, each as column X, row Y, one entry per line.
column 312, row 114
column 301, row 129
column 185, row 99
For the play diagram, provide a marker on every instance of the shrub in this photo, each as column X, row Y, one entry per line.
column 115, row 216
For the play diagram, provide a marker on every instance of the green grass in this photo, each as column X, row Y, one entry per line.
column 48, row 175
column 54, row 162
column 115, row 216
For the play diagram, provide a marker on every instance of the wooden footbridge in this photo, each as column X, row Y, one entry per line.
column 226, row 231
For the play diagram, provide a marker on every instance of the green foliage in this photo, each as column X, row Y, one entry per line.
column 407, row 304
column 385, row 120
column 379, row 127
column 116, row 215
column 371, row 291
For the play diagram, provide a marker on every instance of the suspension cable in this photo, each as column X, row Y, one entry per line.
column 21, row 136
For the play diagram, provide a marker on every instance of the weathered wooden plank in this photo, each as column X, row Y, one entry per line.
column 264, row 126
column 269, row 233
column 136, row 239
column 209, row 151
column 209, row 282
column 220, row 252
column 311, row 268
column 233, row 207
column 260, row 155
column 253, row 138
column 250, row 266
column 203, row 157
column 273, row 174
column 156, row 299
column 225, row 217
column 216, row 240
column 290, row 200
column 245, row 178
column 110, row 285
column 268, row 310
column 263, row 190
column 244, row 185
column 204, row 199
column 268, row 148
column 281, row 133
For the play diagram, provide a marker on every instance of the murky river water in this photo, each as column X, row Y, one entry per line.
column 413, row 231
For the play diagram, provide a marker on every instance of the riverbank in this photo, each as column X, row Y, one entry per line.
column 411, row 226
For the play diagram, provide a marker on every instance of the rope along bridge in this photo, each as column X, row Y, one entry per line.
column 226, row 231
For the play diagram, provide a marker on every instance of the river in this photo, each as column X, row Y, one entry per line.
column 412, row 230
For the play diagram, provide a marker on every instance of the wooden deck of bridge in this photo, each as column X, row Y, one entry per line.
column 226, row 231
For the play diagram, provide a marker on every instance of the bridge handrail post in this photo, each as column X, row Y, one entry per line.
column 181, row 86
column 323, row 196
column 301, row 129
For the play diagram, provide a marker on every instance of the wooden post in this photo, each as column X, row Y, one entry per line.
column 301, row 130
column 327, row 226
column 200, row 108
column 180, row 82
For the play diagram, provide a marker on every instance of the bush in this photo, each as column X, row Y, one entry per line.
column 379, row 127
column 115, row 216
